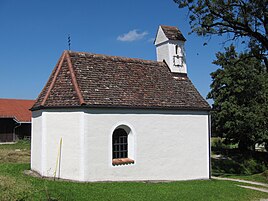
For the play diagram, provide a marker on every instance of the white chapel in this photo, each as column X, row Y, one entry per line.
column 110, row 118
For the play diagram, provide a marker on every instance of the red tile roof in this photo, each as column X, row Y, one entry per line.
column 16, row 108
column 91, row 80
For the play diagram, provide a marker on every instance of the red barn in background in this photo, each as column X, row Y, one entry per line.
column 15, row 119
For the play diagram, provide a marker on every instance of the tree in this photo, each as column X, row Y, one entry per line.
column 239, row 90
column 246, row 19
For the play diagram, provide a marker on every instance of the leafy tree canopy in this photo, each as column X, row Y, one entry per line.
column 246, row 19
column 239, row 90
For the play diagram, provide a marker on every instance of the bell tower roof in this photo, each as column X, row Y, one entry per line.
column 172, row 33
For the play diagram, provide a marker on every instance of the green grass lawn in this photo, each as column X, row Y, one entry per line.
column 15, row 185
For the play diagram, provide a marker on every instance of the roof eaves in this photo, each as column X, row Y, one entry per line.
column 184, row 108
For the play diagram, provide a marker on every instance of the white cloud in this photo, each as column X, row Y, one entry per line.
column 151, row 40
column 132, row 35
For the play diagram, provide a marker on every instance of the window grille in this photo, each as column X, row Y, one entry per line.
column 120, row 144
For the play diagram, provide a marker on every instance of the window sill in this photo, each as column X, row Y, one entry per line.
column 122, row 161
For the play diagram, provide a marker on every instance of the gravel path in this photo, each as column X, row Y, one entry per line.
column 255, row 188
column 242, row 181
column 247, row 182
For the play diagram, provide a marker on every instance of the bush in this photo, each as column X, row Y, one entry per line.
column 252, row 166
column 265, row 174
column 217, row 143
column 233, row 161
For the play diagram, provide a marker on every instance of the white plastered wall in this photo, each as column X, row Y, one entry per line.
column 36, row 142
column 165, row 145
column 48, row 159
column 167, row 51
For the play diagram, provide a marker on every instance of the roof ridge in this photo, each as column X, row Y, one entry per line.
column 59, row 65
column 121, row 58
column 162, row 25
column 73, row 78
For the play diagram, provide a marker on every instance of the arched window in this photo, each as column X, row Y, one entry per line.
column 120, row 143
column 122, row 146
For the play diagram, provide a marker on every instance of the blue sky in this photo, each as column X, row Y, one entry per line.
column 34, row 34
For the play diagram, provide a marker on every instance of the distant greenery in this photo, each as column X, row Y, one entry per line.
column 240, row 92
column 21, row 144
column 218, row 144
column 227, row 159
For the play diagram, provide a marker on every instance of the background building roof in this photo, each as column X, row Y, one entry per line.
column 16, row 108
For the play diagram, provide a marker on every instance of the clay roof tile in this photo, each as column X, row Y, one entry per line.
column 95, row 80
column 172, row 33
